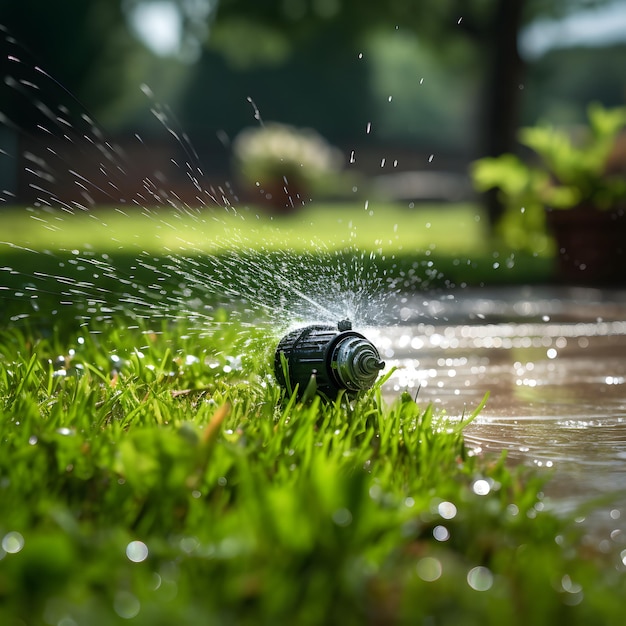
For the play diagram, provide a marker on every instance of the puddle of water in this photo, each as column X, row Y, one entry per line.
column 554, row 363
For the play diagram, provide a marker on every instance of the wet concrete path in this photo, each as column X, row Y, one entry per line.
column 554, row 363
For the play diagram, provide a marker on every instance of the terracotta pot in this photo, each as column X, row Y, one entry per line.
column 591, row 245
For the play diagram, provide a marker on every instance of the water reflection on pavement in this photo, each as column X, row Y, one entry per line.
column 554, row 363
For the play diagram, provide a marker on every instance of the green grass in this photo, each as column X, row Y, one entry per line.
column 173, row 484
column 153, row 476
column 431, row 246
column 452, row 229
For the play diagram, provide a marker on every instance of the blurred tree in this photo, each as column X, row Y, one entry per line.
column 88, row 54
column 67, row 70
column 317, row 84
column 488, row 28
column 565, row 95
column 74, row 41
column 91, row 49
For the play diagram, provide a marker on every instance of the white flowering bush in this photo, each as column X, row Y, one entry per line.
column 278, row 155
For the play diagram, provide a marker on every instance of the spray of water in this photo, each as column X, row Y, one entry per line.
column 249, row 281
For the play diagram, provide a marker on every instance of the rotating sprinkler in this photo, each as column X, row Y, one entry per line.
column 327, row 358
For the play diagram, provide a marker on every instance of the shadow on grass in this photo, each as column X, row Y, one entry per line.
column 69, row 287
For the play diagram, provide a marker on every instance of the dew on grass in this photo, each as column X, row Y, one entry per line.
column 12, row 542
column 189, row 545
column 480, row 578
column 447, row 510
column 209, row 284
column 481, row 487
column 126, row 605
column 441, row 533
column 512, row 510
column 342, row 517
column 137, row 551
column 429, row 569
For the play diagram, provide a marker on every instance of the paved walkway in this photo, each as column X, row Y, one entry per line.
column 554, row 363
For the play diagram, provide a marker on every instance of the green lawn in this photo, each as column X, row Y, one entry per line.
column 457, row 229
column 157, row 479
column 153, row 472
column 432, row 246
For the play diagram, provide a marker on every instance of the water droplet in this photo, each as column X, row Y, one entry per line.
column 447, row 510
column 480, row 578
column 441, row 533
column 569, row 585
column 429, row 569
column 12, row 542
column 481, row 487
column 137, row 551
column 342, row 517
column 126, row 605
column 189, row 544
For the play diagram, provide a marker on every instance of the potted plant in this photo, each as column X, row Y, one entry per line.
column 570, row 188
column 281, row 165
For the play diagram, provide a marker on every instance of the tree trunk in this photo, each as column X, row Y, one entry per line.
column 503, row 86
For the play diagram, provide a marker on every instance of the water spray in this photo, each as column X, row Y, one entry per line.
column 329, row 358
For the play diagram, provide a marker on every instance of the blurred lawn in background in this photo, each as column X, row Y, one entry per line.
column 453, row 238
column 452, row 229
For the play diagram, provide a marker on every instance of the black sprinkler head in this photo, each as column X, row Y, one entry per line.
column 334, row 358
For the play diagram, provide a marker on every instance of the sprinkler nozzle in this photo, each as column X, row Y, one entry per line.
column 344, row 325
column 335, row 358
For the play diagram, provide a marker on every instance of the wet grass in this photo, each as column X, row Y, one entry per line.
column 430, row 246
column 154, row 475
column 150, row 477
